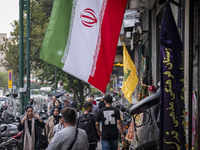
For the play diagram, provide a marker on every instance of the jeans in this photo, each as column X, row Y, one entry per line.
column 110, row 145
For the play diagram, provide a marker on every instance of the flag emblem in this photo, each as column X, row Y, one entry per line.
column 88, row 17
column 126, row 75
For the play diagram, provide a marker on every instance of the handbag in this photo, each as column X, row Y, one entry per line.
column 72, row 144
column 42, row 139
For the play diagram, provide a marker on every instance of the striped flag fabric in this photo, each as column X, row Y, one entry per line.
column 82, row 38
column 130, row 80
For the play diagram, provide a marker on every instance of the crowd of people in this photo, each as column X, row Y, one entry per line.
column 64, row 131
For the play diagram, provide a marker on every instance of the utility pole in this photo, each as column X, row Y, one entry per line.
column 24, row 5
column 21, row 53
column 28, row 51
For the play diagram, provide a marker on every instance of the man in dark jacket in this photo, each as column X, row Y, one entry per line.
column 101, row 104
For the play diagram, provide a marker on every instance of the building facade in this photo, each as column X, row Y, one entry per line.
column 143, row 43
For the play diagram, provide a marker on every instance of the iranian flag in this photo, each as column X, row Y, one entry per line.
column 82, row 38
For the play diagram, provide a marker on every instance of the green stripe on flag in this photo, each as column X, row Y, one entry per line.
column 56, row 36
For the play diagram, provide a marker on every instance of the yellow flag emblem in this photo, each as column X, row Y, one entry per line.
column 130, row 80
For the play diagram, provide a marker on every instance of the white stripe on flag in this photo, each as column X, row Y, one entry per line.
column 85, row 32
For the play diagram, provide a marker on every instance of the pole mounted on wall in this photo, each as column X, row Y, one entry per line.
column 24, row 5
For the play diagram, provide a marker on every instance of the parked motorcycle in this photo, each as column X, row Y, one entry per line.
column 145, row 118
column 10, row 137
column 9, row 143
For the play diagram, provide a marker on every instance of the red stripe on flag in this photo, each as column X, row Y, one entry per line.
column 110, row 29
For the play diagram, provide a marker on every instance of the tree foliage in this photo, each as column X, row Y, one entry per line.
column 39, row 18
column 3, row 80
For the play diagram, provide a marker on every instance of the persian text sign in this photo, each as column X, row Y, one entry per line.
column 172, row 131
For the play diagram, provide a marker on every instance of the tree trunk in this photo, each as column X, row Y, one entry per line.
column 81, row 97
column 74, row 93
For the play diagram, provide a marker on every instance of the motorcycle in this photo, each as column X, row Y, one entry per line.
column 146, row 119
column 10, row 137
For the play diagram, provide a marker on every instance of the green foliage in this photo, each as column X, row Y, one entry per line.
column 95, row 91
column 11, row 50
column 3, row 80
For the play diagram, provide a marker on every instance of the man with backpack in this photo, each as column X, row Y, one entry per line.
column 95, row 108
column 111, row 123
column 87, row 123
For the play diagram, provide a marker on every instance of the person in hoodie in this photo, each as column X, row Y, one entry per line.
column 51, row 122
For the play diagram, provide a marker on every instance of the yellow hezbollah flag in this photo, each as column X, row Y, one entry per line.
column 130, row 80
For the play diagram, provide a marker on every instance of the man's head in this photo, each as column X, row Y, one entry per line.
column 108, row 99
column 53, row 98
column 31, row 101
column 92, row 96
column 89, row 100
column 88, row 107
column 68, row 115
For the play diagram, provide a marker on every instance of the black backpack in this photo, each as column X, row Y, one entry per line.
column 85, row 123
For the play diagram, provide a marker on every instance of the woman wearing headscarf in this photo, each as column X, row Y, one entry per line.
column 58, row 104
column 30, row 124
column 51, row 122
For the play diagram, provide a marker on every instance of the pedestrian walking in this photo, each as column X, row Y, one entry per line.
column 59, row 126
column 87, row 123
column 93, row 101
column 101, row 104
column 30, row 124
column 31, row 101
column 51, row 104
column 111, row 123
column 95, row 107
column 51, row 122
column 70, row 137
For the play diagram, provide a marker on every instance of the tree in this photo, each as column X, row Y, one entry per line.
column 3, row 80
